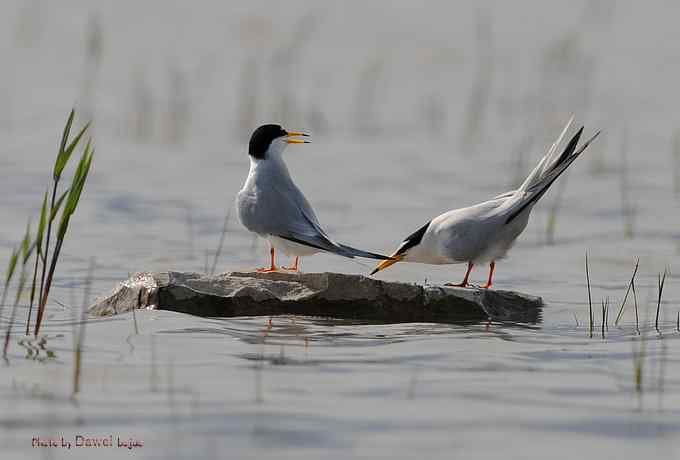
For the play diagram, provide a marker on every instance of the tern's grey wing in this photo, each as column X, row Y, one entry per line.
column 307, row 211
column 292, row 218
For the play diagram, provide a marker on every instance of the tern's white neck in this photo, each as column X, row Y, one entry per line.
column 269, row 167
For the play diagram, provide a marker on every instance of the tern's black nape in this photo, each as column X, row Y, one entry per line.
column 412, row 240
column 262, row 138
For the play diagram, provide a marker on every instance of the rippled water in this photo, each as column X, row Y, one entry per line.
column 385, row 159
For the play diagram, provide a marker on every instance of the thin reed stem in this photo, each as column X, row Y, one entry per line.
column 637, row 317
column 220, row 245
column 630, row 286
column 39, row 257
column 590, row 298
column 134, row 314
column 662, row 281
column 41, row 294
column 604, row 312
column 30, row 306
column 48, row 284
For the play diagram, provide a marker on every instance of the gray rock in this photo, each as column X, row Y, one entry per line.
column 315, row 294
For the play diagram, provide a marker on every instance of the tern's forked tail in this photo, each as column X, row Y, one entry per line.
column 547, row 171
column 354, row 252
column 325, row 244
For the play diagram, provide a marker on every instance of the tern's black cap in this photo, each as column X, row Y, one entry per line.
column 262, row 138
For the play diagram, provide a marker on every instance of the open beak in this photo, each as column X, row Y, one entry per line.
column 387, row 263
column 290, row 137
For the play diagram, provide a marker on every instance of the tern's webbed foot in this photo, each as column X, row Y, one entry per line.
column 294, row 267
column 267, row 270
column 457, row 284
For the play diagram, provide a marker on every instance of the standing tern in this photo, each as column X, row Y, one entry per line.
column 485, row 232
column 273, row 207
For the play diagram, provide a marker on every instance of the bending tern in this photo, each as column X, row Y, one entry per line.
column 273, row 207
column 485, row 232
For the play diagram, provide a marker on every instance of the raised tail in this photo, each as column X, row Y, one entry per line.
column 547, row 171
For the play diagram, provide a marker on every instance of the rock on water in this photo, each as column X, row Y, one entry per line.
column 315, row 294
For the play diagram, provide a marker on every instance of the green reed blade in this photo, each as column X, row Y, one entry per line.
column 57, row 205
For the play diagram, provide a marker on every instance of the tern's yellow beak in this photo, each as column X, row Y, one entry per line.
column 387, row 263
column 290, row 135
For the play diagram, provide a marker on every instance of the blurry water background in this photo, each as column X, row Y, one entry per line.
column 414, row 108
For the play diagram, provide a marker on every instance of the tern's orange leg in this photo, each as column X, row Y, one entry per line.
column 489, row 283
column 465, row 280
column 272, row 268
column 294, row 268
